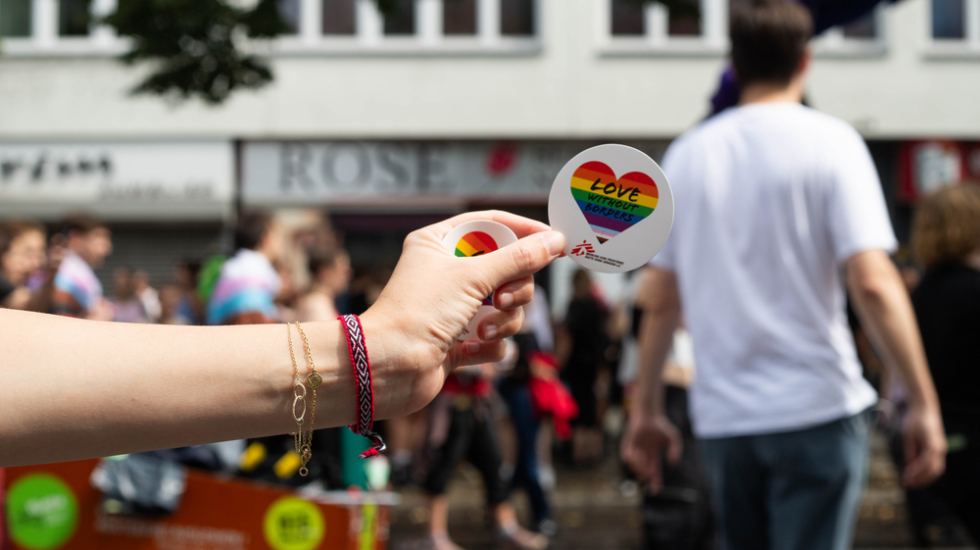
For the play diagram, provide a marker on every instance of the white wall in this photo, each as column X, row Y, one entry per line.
column 570, row 87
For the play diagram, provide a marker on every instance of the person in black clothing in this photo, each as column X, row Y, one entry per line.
column 585, row 324
column 514, row 390
column 946, row 239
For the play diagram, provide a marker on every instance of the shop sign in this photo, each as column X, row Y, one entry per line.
column 925, row 166
column 119, row 181
column 401, row 173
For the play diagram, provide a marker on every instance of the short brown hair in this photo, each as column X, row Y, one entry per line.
column 11, row 229
column 80, row 223
column 769, row 38
column 323, row 259
column 252, row 227
column 947, row 225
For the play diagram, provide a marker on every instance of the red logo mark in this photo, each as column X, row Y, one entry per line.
column 583, row 249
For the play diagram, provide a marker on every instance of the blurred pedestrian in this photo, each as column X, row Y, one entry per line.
column 331, row 274
column 148, row 295
column 126, row 305
column 515, row 389
column 946, row 239
column 585, row 325
column 78, row 292
column 247, row 287
column 461, row 426
column 680, row 515
column 774, row 201
column 22, row 254
column 188, row 301
column 171, row 310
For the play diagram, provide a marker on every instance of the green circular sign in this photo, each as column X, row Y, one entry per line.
column 42, row 512
column 293, row 524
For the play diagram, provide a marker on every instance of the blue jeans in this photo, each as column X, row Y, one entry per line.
column 795, row 490
column 518, row 400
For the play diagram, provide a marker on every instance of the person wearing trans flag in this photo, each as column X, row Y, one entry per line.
column 248, row 284
column 77, row 291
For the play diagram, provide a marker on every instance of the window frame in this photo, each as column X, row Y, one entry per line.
column 833, row 43
column 368, row 38
column 45, row 40
column 955, row 48
column 656, row 40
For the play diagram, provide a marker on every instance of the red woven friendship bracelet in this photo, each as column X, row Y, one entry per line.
column 365, row 389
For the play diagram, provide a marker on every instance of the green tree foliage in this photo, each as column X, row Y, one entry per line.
column 193, row 45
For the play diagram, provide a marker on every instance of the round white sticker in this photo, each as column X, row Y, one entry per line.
column 614, row 206
column 472, row 239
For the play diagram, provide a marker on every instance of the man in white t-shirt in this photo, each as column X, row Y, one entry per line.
column 777, row 206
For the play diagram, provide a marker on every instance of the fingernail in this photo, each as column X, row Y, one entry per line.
column 506, row 300
column 471, row 347
column 555, row 242
column 490, row 332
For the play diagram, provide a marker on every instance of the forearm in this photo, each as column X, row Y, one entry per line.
column 656, row 337
column 887, row 316
column 109, row 388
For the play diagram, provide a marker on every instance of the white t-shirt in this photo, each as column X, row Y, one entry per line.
column 771, row 200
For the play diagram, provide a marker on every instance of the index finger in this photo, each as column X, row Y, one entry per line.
column 520, row 225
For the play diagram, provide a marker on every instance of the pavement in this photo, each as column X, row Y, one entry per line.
column 594, row 514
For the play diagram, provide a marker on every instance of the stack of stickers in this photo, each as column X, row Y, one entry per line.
column 612, row 203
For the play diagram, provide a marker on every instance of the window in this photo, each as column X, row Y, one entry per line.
column 15, row 18
column 689, row 26
column 865, row 28
column 627, row 18
column 862, row 37
column 289, row 13
column 949, row 19
column 459, row 17
column 402, row 21
column 517, row 17
column 457, row 26
column 73, row 17
column 955, row 27
column 57, row 26
column 339, row 17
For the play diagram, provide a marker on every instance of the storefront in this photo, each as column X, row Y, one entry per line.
column 164, row 200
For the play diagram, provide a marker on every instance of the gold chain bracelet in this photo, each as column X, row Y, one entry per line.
column 303, row 441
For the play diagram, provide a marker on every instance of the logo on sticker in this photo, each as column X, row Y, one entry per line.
column 583, row 249
column 612, row 205
column 476, row 243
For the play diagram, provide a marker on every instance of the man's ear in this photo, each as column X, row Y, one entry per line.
column 804, row 67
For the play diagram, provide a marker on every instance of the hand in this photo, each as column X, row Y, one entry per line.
column 644, row 442
column 412, row 329
column 925, row 447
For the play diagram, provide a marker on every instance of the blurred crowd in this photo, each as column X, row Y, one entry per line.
column 568, row 386
column 560, row 396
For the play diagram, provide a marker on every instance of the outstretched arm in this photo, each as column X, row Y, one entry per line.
column 77, row 389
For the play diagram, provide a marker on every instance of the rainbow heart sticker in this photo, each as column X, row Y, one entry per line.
column 474, row 239
column 612, row 205
column 473, row 244
column 476, row 243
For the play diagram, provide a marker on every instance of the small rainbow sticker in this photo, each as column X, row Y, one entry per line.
column 611, row 205
column 476, row 243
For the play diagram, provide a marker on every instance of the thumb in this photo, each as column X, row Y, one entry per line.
column 523, row 258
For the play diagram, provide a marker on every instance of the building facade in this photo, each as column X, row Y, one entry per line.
column 445, row 106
